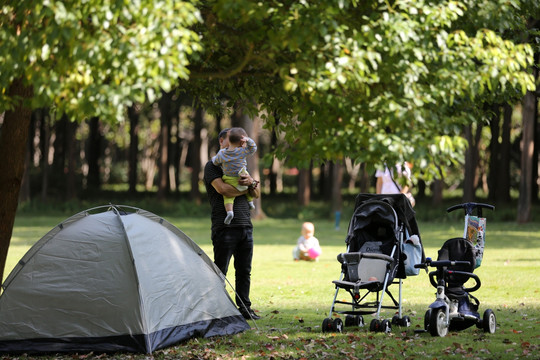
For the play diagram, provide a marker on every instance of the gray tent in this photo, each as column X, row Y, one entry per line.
column 122, row 279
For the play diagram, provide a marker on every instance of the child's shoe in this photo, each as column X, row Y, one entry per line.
column 230, row 216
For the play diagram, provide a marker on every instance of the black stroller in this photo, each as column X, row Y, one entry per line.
column 375, row 242
column 455, row 308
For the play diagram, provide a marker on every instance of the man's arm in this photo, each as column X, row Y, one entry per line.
column 252, row 185
column 226, row 189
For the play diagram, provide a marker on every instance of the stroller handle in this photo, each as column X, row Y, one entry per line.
column 470, row 207
column 440, row 263
column 478, row 283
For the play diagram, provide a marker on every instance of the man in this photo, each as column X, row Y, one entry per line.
column 235, row 239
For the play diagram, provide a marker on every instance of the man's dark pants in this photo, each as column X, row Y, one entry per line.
column 235, row 242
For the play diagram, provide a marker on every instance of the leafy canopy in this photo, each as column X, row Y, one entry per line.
column 374, row 80
column 94, row 57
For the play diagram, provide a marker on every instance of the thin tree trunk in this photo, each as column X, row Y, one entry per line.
column 163, row 161
column 196, row 154
column 134, row 113
column 337, row 199
column 94, row 153
column 13, row 141
column 495, row 153
column 304, row 188
column 503, row 194
column 46, row 144
column 527, row 150
column 71, row 153
column 470, row 181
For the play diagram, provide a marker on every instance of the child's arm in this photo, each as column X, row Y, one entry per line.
column 251, row 146
column 218, row 158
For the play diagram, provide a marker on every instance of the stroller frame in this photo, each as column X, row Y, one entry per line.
column 356, row 267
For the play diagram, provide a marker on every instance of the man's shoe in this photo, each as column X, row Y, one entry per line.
column 249, row 314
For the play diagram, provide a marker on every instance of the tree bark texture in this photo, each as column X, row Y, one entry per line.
column 527, row 150
column 13, row 141
column 134, row 113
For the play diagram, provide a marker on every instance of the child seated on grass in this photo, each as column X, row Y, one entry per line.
column 307, row 246
column 233, row 163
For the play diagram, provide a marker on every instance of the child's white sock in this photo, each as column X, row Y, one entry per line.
column 251, row 205
column 230, row 216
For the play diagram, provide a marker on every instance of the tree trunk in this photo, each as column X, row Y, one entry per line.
column 495, row 153
column 337, row 200
column 163, row 160
column 71, row 157
column 304, row 188
column 470, row 180
column 45, row 148
column 503, row 194
column 196, row 156
column 94, row 153
column 527, row 150
column 364, row 179
column 13, row 141
column 134, row 113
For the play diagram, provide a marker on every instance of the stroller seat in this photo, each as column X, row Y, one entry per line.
column 363, row 270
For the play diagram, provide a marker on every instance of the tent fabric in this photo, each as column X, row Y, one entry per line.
column 114, row 281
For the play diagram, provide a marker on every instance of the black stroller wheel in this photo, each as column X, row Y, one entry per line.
column 405, row 321
column 437, row 323
column 395, row 320
column 327, row 325
column 338, row 325
column 349, row 320
column 489, row 321
column 374, row 325
column 386, row 326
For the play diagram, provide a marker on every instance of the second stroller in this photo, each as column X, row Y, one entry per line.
column 374, row 258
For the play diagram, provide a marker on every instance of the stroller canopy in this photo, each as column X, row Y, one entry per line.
column 377, row 218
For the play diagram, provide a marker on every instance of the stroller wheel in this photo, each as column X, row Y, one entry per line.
column 327, row 325
column 338, row 325
column 374, row 325
column 489, row 321
column 427, row 318
column 354, row 320
column 395, row 320
column 386, row 326
column 405, row 321
column 437, row 323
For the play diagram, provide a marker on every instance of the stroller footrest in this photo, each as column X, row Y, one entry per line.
column 370, row 285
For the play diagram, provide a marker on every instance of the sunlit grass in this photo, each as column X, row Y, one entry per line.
column 293, row 298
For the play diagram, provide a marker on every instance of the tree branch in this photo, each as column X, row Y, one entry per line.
column 228, row 73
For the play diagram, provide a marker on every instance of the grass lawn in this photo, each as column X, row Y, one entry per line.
column 293, row 298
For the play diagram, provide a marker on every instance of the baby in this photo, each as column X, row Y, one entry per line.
column 233, row 163
column 307, row 247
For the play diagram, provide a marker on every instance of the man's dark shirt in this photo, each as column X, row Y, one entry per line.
column 242, row 216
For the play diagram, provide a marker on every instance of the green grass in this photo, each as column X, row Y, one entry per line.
column 293, row 298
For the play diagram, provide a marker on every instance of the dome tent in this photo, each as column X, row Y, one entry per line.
column 107, row 280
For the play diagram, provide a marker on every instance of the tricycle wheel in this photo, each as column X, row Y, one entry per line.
column 437, row 323
column 489, row 321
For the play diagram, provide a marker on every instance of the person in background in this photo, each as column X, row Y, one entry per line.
column 234, row 239
column 307, row 247
column 386, row 183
